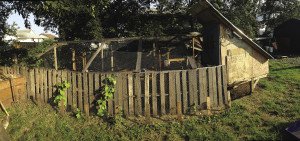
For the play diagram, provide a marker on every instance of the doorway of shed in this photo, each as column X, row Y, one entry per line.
column 211, row 55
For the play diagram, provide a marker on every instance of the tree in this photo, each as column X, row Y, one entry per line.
column 4, row 13
column 74, row 19
column 275, row 12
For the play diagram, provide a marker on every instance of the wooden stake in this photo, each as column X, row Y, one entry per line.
column 55, row 58
column 229, row 99
column 73, row 60
column 208, row 105
column 112, row 60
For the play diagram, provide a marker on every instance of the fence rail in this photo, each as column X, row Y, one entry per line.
column 146, row 93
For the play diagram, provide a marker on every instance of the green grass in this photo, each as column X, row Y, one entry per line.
column 260, row 116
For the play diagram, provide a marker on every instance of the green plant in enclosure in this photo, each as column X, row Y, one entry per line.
column 107, row 92
column 78, row 113
column 61, row 93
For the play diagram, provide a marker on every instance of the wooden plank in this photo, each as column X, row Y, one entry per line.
column 195, row 88
column 73, row 59
column 91, row 90
column 44, row 88
column 215, row 95
column 32, row 83
column 178, row 93
column 154, row 94
column 55, row 58
column 147, row 98
column 203, row 87
column 46, row 84
column 59, row 76
column 80, row 92
column 96, row 89
column 219, row 86
column 224, row 83
column 119, row 81
column 41, row 77
column 85, row 90
column 69, row 90
column 137, row 91
column 185, row 93
column 37, row 85
column 97, row 81
column 210, row 83
column 54, row 82
column 26, row 74
column 139, row 57
column 64, row 78
column 208, row 105
column 74, row 89
column 162, row 94
column 130, row 93
column 50, row 86
column 193, row 99
column 110, row 104
column 124, row 94
column 41, row 84
column 172, row 93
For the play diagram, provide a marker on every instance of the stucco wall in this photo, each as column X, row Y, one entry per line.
column 243, row 62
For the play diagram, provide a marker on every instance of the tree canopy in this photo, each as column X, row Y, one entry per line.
column 81, row 19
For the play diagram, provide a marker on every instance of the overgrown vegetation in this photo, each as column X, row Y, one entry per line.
column 261, row 116
column 60, row 97
column 106, row 93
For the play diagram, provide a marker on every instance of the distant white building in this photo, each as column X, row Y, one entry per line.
column 25, row 36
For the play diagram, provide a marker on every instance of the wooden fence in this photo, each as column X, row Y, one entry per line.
column 146, row 93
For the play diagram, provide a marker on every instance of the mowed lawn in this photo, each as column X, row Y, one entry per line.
column 261, row 116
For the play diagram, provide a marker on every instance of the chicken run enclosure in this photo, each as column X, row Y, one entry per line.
column 179, row 74
column 150, row 80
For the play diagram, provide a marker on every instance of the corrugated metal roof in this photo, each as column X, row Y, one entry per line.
column 207, row 14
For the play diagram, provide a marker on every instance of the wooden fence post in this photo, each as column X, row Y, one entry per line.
column 146, row 98
column 55, row 58
column 208, row 105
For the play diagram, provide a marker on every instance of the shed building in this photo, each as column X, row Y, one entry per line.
column 225, row 44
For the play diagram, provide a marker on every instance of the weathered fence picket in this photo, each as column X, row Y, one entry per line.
column 136, row 93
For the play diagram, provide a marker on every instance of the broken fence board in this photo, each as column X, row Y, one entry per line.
column 146, row 98
column 219, row 86
column 91, row 90
column 130, row 94
column 203, row 88
column 172, row 93
column 162, row 94
column 224, row 85
column 185, row 92
column 74, row 90
column 85, row 94
column 137, row 91
column 154, row 94
column 110, row 103
column 178, row 94
column 215, row 94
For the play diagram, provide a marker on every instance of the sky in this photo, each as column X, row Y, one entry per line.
column 14, row 17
